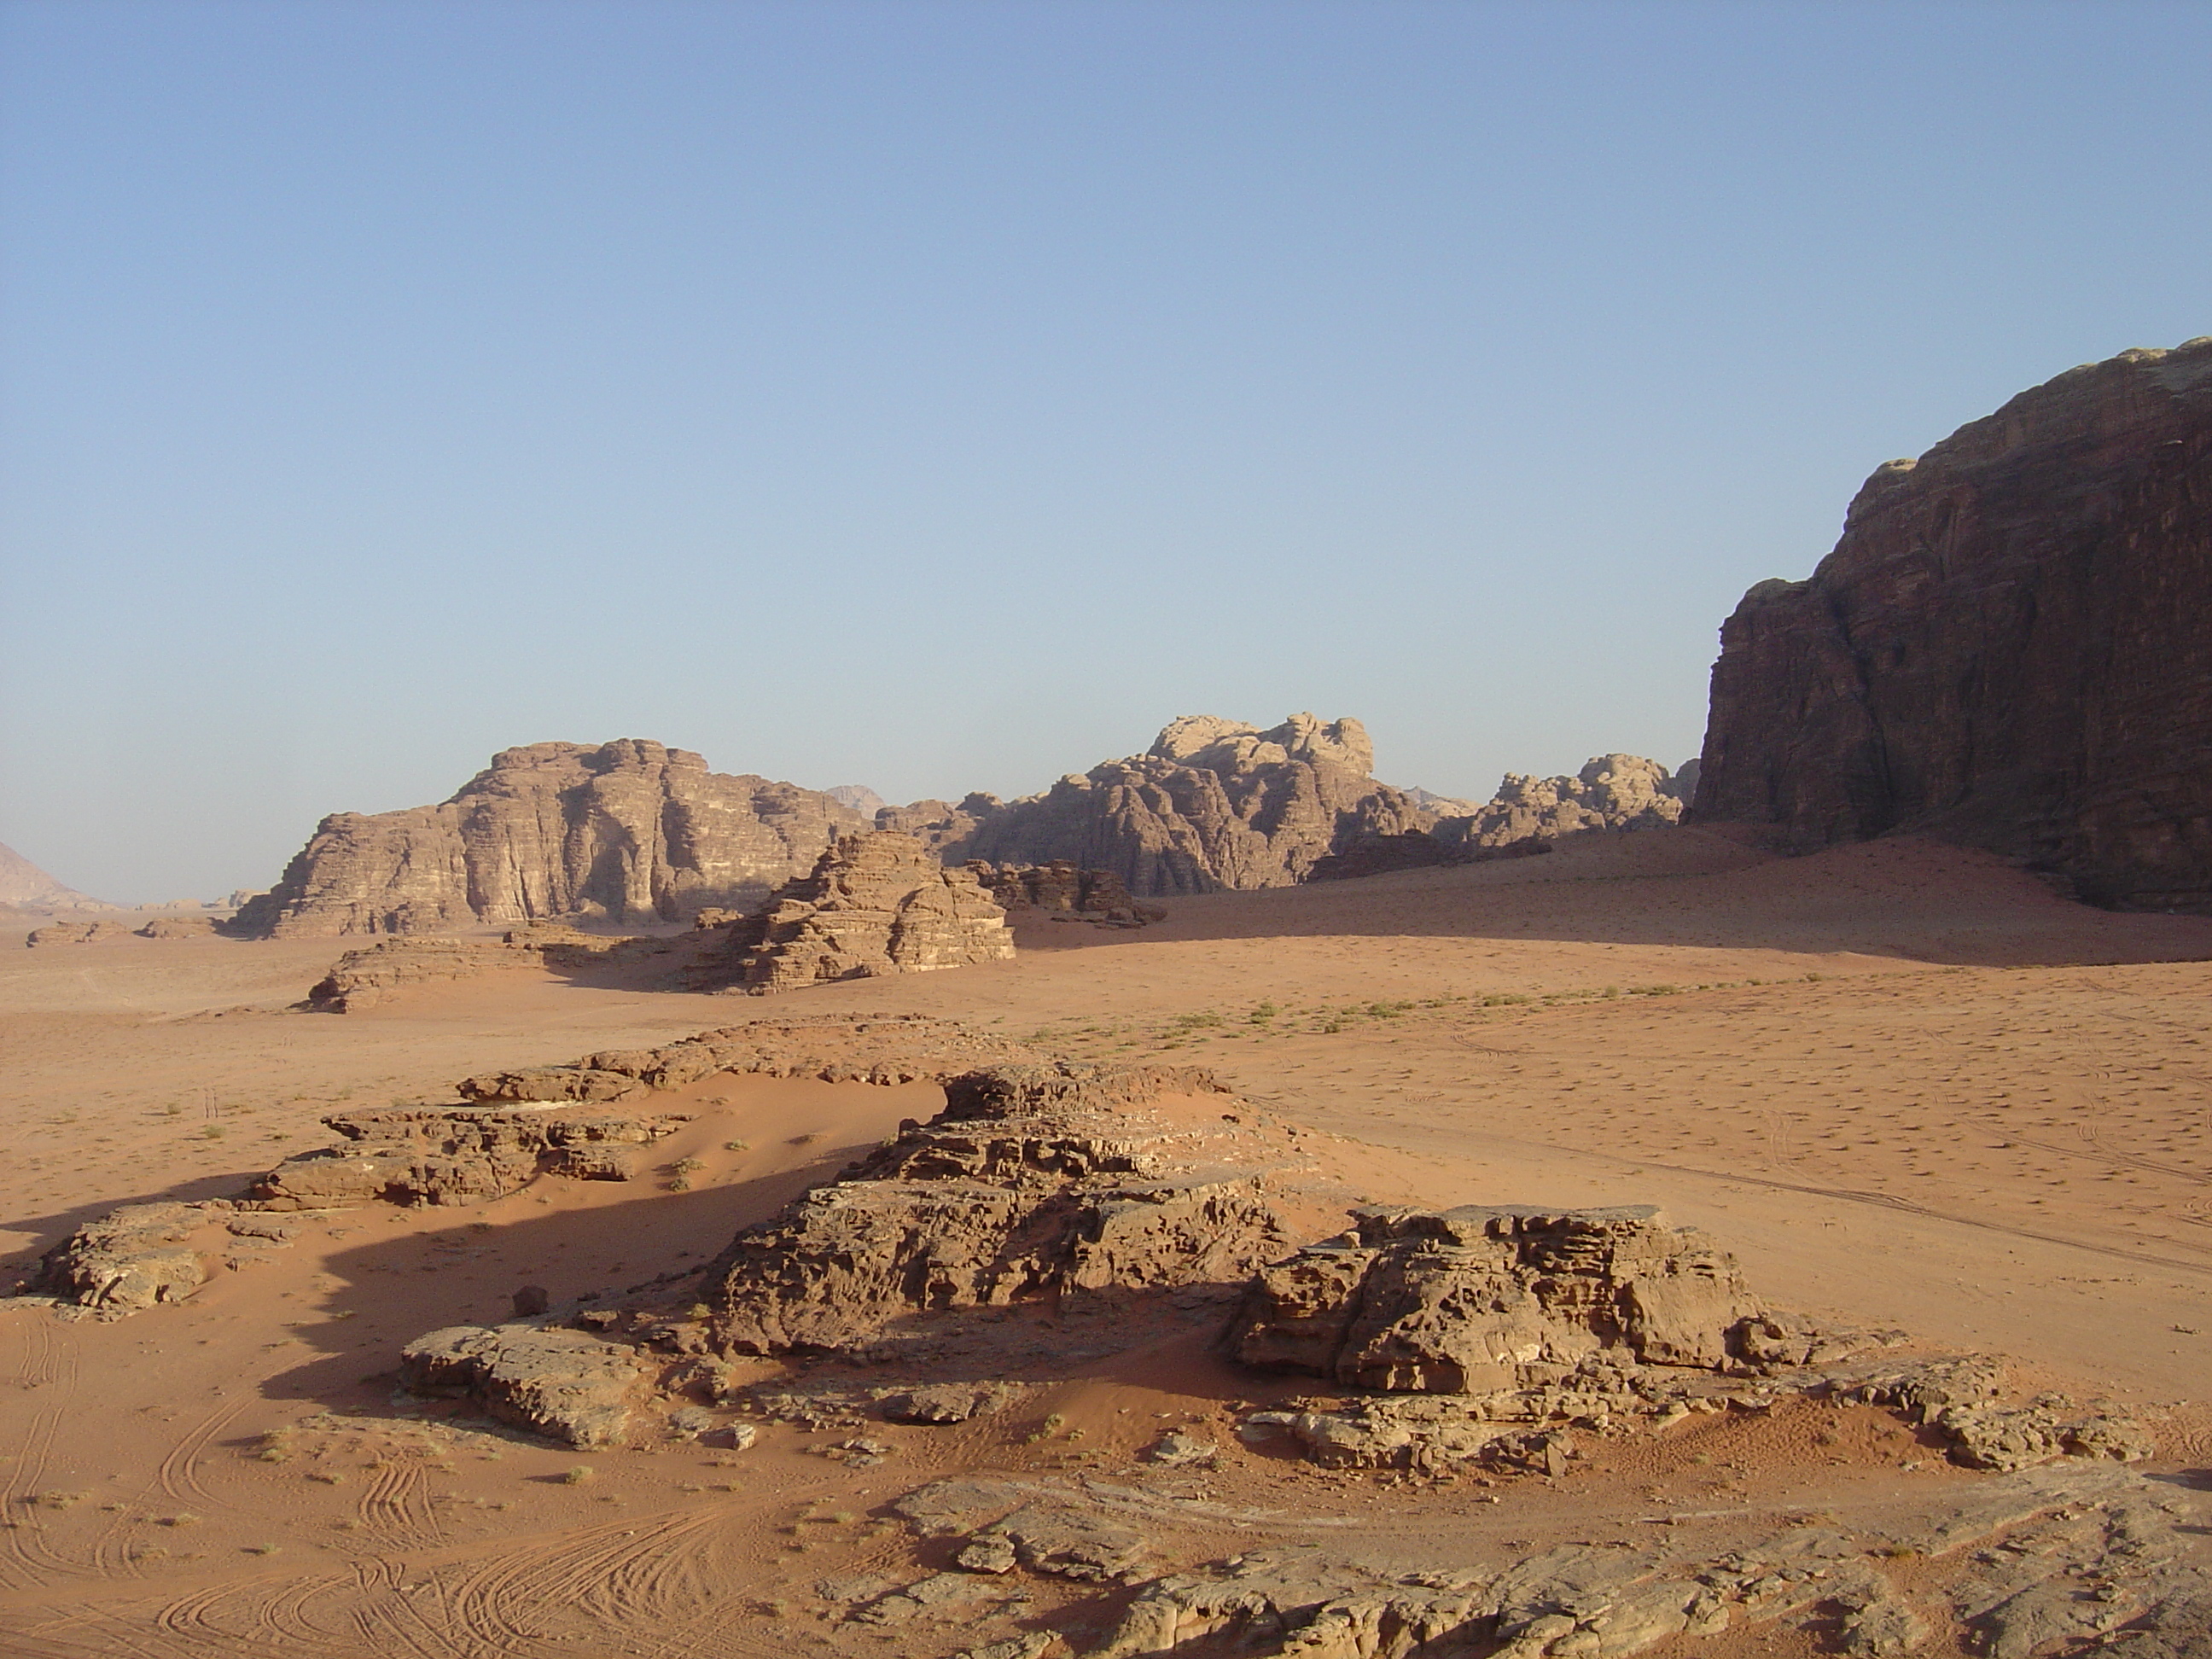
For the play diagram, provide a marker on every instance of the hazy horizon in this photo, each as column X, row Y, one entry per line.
column 944, row 397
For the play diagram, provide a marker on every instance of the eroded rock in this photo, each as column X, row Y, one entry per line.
column 567, row 1385
column 1035, row 1181
column 459, row 1155
column 874, row 903
column 130, row 1258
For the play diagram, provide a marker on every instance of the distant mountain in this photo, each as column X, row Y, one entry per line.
column 857, row 796
column 22, row 881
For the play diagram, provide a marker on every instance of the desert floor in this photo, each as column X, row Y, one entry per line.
column 1907, row 1085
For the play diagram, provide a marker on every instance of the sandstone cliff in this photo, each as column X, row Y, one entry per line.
column 1213, row 804
column 874, row 903
column 2007, row 646
column 631, row 831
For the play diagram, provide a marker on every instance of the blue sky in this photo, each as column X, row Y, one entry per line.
column 942, row 396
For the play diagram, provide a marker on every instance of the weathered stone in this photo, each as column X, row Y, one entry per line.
column 23, row 883
column 2006, row 647
column 76, row 933
column 1033, row 1181
column 629, row 830
column 457, row 1155
column 944, row 1403
column 567, row 1385
column 130, row 1258
column 875, row 903
column 1485, row 1297
column 1052, row 1536
column 1214, row 804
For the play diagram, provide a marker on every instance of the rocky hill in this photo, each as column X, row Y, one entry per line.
column 1212, row 803
column 2007, row 646
column 23, row 883
column 1611, row 791
column 631, row 831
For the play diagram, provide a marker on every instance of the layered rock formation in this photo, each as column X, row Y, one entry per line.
column 2006, row 646
column 1213, row 804
column 875, row 903
column 1034, row 1184
column 631, row 831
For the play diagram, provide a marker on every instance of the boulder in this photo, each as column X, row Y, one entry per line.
column 2006, row 646
column 567, row 1385
column 628, row 832
column 130, row 1258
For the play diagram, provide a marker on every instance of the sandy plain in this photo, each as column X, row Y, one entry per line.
column 1907, row 1085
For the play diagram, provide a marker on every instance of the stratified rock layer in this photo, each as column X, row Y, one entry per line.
column 629, row 830
column 1213, row 804
column 1035, row 1181
column 2007, row 646
column 875, row 903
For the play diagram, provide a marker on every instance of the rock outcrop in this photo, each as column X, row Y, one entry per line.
column 629, row 831
column 1213, row 804
column 361, row 978
column 2050, row 1561
column 76, row 933
column 565, row 1385
column 1611, row 791
column 459, row 1155
column 1482, row 1298
column 837, row 1048
column 130, row 1258
column 2006, row 646
column 875, row 903
column 1064, row 892
column 1036, row 1183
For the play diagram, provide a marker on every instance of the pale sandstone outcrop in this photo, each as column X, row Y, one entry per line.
column 2043, row 1562
column 464, row 1155
column 629, row 830
column 2006, row 646
column 875, row 903
column 565, row 1385
column 1213, row 804
column 837, row 1048
column 1494, row 1297
column 130, row 1258
column 76, row 933
column 361, row 978
column 1036, row 1182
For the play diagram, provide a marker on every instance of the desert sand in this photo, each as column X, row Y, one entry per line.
column 1907, row 1085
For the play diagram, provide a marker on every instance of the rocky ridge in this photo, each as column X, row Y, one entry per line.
column 2005, row 646
column 1212, row 805
column 629, row 831
column 1611, row 791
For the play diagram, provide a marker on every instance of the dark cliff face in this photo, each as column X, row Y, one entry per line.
column 2011, row 646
